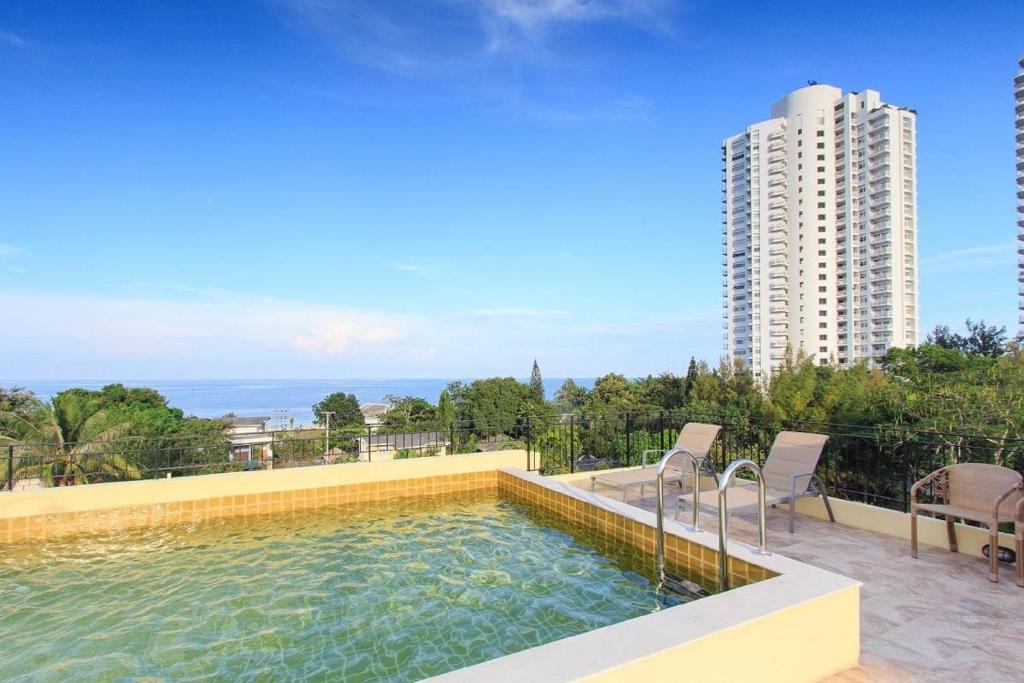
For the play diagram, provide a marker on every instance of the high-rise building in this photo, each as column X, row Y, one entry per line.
column 1018, row 87
column 819, row 239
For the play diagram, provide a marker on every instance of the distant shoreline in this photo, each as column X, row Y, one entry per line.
column 280, row 398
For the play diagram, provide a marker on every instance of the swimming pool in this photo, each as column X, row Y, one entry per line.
column 396, row 590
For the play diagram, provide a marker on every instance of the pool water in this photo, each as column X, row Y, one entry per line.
column 394, row 591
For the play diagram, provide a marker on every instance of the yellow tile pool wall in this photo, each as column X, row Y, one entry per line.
column 930, row 530
column 691, row 560
column 50, row 513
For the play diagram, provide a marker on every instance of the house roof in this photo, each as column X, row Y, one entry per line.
column 245, row 421
column 371, row 409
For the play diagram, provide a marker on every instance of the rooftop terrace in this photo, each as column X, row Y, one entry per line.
column 936, row 618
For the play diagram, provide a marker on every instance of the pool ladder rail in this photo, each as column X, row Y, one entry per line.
column 665, row 579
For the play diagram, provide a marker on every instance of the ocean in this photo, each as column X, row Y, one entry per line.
column 279, row 399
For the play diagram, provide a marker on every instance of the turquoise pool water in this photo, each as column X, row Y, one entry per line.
column 394, row 591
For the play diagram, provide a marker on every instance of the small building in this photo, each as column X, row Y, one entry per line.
column 412, row 445
column 373, row 413
column 250, row 439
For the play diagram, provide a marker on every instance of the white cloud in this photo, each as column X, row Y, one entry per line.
column 456, row 35
column 969, row 259
column 343, row 332
column 519, row 26
column 419, row 269
column 13, row 40
column 221, row 334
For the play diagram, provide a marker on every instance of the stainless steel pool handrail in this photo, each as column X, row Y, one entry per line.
column 723, row 516
column 662, row 466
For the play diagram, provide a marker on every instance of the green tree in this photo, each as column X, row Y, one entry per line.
column 536, row 384
column 570, row 396
column 71, row 440
column 612, row 393
column 980, row 339
column 445, row 410
column 17, row 401
column 493, row 405
column 692, row 372
column 344, row 408
column 408, row 411
column 666, row 391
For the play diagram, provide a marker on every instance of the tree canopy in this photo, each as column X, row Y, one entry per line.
column 536, row 384
column 408, row 411
column 344, row 409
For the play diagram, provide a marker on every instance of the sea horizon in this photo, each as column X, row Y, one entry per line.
column 283, row 400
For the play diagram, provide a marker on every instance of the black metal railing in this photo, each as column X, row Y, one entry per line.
column 34, row 465
column 872, row 464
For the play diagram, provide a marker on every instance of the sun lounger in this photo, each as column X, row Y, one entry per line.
column 789, row 474
column 696, row 437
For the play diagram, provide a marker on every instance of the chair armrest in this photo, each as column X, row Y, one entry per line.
column 792, row 481
column 643, row 456
column 1017, row 488
column 918, row 484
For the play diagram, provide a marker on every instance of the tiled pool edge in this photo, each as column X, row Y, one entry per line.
column 681, row 555
column 801, row 625
column 51, row 513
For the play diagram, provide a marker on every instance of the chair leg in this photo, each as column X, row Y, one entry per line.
column 913, row 532
column 828, row 508
column 1019, row 528
column 993, row 553
column 792, row 515
column 951, row 533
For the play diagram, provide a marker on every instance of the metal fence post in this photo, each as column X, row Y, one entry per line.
column 905, row 489
column 661, row 430
column 629, row 449
column 529, row 444
column 10, row 468
column 572, row 443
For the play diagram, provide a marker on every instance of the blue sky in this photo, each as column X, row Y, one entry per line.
column 307, row 188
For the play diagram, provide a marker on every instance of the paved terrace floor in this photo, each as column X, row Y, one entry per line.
column 936, row 618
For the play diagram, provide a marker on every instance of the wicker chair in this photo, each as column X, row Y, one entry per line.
column 981, row 493
column 1019, row 528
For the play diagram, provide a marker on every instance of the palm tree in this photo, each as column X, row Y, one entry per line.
column 67, row 441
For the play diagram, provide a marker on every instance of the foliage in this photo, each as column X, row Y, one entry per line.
column 980, row 340
column 493, row 406
column 405, row 454
column 445, row 410
column 554, row 446
column 344, row 409
column 83, row 436
column 408, row 411
column 570, row 397
column 536, row 384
